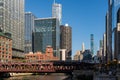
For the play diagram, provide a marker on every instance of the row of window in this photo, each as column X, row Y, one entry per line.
column 4, row 56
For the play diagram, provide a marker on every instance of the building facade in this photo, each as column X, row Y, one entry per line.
column 92, row 44
column 78, row 56
column 46, row 33
column 83, row 47
column 111, row 23
column 12, row 21
column 117, row 42
column 29, row 28
column 117, row 37
column 104, row 48
column 57, row 11
column 87, row 56
column 66, row 40
column 39, row 56
column 5, row 47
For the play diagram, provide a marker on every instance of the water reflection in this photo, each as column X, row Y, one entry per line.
column 39, row 77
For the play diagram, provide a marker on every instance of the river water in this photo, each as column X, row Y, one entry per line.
column 39, row 77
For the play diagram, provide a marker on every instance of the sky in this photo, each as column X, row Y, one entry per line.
column 84, row 16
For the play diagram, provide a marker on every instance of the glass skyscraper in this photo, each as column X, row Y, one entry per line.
column 57, row 11
column 46, row 33
column 111, row 23
column 12, row 21
column 29, row 28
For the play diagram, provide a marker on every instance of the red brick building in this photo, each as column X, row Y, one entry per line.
column 5, row 47
column 39, row 56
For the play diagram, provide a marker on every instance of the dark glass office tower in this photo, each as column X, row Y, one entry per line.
column 117, row 37
column 29, row 28
column 12, row 21
column 111, row 21
column 46, row 33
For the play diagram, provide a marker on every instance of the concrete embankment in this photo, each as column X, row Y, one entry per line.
column 20, row 74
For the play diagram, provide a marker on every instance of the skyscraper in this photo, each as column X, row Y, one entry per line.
column 109, row 24
column 66, row 40
column 92, row 44
column 57, row 11
column 12, row 21
column 29, row 28
column 117, row 37
column 101, row 50
column 104, row 48
column 113, row 6
column 46, row 33
column 83, row 47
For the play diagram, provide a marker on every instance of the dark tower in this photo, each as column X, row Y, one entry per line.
column 117, row 37
column 118, row 16
column 66, row 40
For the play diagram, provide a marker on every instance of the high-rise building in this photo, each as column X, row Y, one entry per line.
column 117, row 42
column 46, row 33
column 57, row 11
column 117, row 37
column 92, row 44
column 77, row 55
column 104, row 48
column 109, row 23
column 66, row 40
column 83, row 47
column 101, row 49
column 108, row 37
column 12, row 21
column 113, row 6
column 101, row 44
column 29, row 28
column 118, row 16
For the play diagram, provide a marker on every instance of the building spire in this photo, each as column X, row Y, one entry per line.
column 83, row 47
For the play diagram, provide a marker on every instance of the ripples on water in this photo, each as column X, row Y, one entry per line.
column 38, row 77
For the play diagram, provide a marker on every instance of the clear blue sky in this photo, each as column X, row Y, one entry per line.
column 84, row 16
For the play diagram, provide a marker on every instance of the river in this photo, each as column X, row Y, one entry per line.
column 39, row 77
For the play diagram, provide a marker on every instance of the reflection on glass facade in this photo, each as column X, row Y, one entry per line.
column 29, row 28
column 57, row 11
column 46, row 33
column 111, row 23
column 12, row 21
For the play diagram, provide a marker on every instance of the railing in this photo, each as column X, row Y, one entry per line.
column 41, row 67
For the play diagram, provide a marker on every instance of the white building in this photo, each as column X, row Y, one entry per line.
column 57, row 11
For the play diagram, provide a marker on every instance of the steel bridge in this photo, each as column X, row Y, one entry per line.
column 44, row 67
